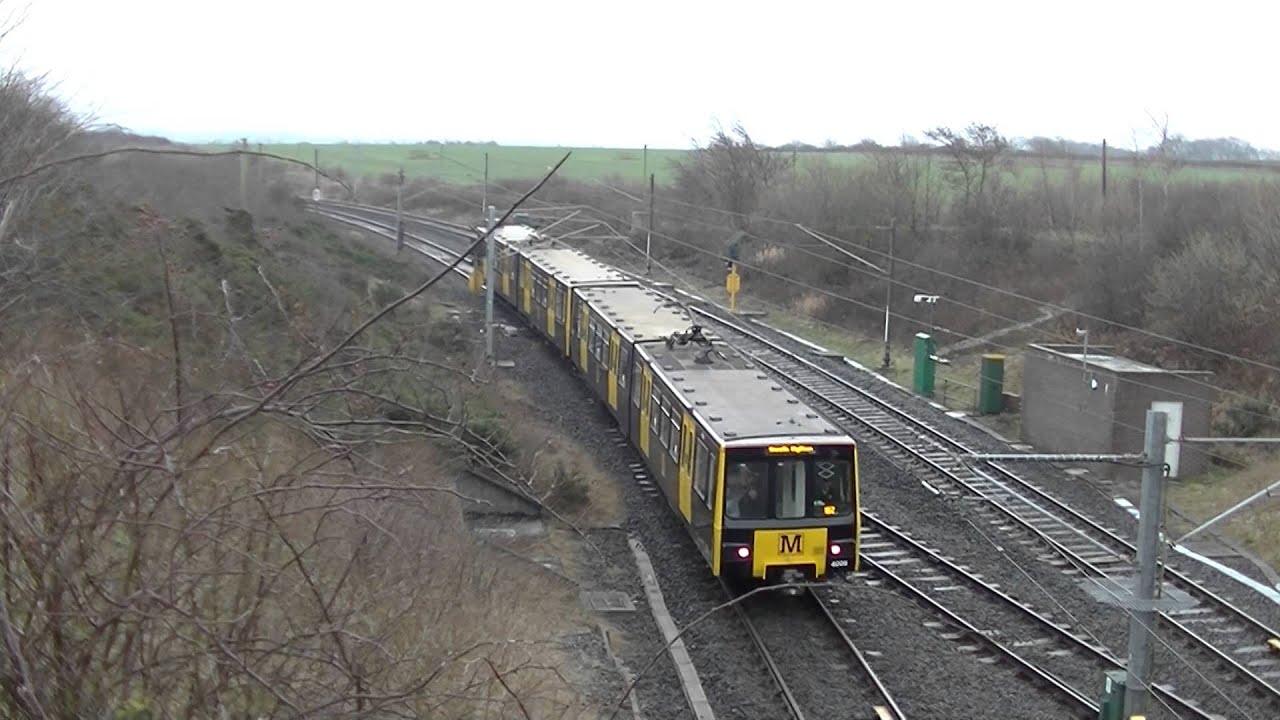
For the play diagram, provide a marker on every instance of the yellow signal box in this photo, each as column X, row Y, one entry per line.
column 733, row 283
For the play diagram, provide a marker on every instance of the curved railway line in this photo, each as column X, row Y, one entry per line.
column 829, row 669
column 1077, row 543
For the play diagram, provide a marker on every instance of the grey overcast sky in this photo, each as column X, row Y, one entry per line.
column 554, row 72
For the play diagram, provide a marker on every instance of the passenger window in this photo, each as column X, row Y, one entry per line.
column 635, row 382
column 790, row 478
column 666, row 423
column 711, row 475
column 675, row 431
column 654, row 411
column 700, row 470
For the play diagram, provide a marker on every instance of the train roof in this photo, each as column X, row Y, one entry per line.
column 735, row 399
column 640, row 314
column 572, row 267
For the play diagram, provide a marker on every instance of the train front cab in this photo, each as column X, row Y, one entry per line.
column 788, row 511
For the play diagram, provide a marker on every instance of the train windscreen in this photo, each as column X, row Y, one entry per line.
column 791, row 483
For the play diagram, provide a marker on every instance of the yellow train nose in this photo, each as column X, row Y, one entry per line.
column 796, row 548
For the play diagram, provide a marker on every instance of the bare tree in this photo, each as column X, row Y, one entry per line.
column 731, row 173
column 975, row 153
column 34, row 125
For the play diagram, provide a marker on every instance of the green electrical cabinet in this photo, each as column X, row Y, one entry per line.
column 922, row 370
column 991, row 385
column 1112, row 707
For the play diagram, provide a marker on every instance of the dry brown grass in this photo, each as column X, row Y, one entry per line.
column 255, row 576
column 552, row 459
column 1256, row 527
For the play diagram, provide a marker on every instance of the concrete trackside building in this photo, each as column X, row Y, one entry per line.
column 1073, row 402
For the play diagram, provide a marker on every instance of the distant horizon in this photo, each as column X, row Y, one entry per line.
column 579, row 74
column 232, row 138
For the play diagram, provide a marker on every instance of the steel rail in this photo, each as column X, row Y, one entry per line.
column 463, row 268
column 1098, row 653
column 945, row 456
column 793, row 705
column 886, row 698
column 922, row 443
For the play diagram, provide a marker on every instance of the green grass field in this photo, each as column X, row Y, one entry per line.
column 464, row 164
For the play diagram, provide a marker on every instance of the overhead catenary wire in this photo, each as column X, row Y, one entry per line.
column 963, row 336
column 1064, row 405
column 1180, row 657
column 879, row 310
column 1094, row 636
column 692, row 286
column 1010, row 293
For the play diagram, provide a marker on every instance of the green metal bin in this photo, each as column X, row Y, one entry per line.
column 991, row 385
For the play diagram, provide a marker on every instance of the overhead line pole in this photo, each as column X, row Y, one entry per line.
column 400, row 213
column 648, row 236
column 244, row 174
column 888, row 289
column 489, row 254
column 1141, row 604
column 1142, row 620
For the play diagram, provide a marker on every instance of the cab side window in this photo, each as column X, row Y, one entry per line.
column 701, row 477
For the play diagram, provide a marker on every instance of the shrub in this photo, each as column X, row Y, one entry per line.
column 569, row 490
column 1245, row 418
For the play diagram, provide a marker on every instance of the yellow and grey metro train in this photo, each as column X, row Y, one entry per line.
column 767, row 488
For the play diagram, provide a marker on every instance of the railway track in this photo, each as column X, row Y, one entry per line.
column 1078, row 544
column 416, row 242
column 1056, row 655
column 819, row 670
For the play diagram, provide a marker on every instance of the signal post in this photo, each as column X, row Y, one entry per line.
column 733, row 283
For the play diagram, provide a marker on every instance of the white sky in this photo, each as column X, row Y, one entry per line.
column 656, row 72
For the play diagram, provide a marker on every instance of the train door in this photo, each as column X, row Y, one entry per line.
column 704, row 471
column 624, row 385
column 584, row 333
column 504, row 265
column 564, row 320
column 553, row 292
column 646, row 390
column 526, row 288
column 634, row 387
column 612, row 377
column 685, row 476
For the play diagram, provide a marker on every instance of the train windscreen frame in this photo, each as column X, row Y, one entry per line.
column 789, row 482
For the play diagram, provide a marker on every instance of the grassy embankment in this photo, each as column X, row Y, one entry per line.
column 125, row 304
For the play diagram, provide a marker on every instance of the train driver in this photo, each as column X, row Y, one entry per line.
column 746, row 500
